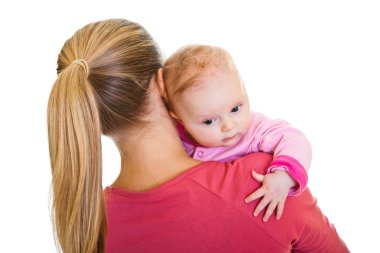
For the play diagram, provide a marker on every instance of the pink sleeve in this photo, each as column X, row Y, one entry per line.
column 290, row 148
column 295, row 170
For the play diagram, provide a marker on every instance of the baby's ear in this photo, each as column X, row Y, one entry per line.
column 160, row 82
column 175, row 116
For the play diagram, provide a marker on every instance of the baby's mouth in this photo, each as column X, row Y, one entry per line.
column 230, row 138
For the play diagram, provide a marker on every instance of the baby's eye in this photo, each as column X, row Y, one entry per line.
column 236, row 108
column 209, row 121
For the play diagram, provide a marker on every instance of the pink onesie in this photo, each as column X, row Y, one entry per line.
column 290, row 148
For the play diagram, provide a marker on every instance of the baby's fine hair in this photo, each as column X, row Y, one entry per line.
column 184, row 68
column 104, row 72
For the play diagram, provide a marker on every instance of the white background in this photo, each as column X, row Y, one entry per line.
column 313, row 63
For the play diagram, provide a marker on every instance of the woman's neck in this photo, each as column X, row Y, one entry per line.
column 151, row 156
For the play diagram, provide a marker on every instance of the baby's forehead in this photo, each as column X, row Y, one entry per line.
column 195, row 78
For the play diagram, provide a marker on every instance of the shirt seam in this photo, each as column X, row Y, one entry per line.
column 240, row 211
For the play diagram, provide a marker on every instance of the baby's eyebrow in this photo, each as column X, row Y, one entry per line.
column 205, row 117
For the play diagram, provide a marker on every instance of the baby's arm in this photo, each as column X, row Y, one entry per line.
column 287, row 173
column 290, row 148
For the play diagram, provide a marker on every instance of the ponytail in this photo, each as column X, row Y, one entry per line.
column 75, row 151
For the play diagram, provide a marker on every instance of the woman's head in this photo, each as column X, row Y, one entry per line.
column 206, row 94
column 104, row 72
column 121, row 58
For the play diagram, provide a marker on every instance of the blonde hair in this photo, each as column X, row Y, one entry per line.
column 104, row 71
column 184, row 68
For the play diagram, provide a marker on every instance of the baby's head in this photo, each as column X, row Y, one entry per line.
column 205, row 93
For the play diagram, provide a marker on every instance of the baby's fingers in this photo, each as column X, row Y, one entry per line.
column 280, row 209
column 263, row 203
column 258, row 177
column 270, row 209
column 255, row 195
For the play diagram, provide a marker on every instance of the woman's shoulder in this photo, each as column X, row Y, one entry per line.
column 209, row 175
column 232, row 181
column 236, row 169
column 210, row 200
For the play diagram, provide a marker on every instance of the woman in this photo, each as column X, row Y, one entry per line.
column 110, row 82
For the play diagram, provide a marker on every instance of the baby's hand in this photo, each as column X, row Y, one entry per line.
column 274, row 190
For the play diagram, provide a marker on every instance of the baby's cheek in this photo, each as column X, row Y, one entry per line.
column 205, row 137
column 246, row 122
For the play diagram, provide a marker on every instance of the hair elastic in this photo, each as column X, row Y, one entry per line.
column 83, row 63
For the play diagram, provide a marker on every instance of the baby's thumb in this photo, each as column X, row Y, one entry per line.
column 258, row 177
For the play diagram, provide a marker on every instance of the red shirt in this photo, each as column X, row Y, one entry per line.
column 203, row 210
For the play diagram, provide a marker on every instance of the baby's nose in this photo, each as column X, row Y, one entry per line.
column 228, row 125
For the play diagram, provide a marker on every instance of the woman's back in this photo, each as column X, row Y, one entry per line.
column 203, row 210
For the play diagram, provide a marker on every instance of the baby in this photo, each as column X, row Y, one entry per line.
column 205, row 94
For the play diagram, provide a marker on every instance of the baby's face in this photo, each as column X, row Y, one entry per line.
column 216, row 112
